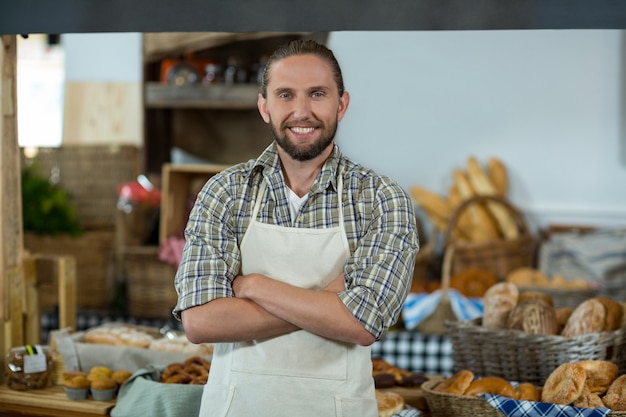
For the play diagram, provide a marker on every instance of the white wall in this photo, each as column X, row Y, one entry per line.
column 548, row 103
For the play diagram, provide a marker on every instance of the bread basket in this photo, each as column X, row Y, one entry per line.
column 518, row 356
column 497, row 256
column 442, row 404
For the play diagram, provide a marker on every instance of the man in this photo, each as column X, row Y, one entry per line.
column 296, row 262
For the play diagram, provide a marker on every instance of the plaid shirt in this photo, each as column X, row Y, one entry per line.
column 378, row 216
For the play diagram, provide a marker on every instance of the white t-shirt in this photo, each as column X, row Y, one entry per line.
column 295, row 203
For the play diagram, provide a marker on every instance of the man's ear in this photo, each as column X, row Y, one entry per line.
column 344, row 101
column 261, row 104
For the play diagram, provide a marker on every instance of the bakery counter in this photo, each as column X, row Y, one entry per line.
column 417, row 352
column 49, row 402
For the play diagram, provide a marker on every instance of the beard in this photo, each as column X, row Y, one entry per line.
column 304, row 152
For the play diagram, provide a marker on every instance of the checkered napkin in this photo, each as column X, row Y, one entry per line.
column 419, row 306
column 515, row 408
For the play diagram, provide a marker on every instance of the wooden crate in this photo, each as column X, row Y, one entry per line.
column 180, row 185
column 93, row 252
column 150, row 289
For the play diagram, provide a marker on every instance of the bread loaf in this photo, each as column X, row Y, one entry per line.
column 484, row 227
column 533, row 317
column 499, row 176
column 588, row 317
column 483, row 186
column 498, row 302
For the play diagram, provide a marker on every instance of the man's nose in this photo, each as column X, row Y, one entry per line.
column 302, row 107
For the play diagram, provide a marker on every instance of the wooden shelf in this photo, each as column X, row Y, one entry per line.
column 221, row 96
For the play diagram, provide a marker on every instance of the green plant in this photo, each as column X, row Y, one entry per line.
column 46, row 208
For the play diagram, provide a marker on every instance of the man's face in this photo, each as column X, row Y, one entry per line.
column 302, row 106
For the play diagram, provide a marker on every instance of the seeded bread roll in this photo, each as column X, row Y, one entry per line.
column 565, row 384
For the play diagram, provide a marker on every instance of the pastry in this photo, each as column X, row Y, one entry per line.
column 473, row 282
column 600, row 374
column 490, row 385
column 457, row 383
column 615, row 397
column 527, row 392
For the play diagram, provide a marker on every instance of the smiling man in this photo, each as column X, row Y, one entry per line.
column 297, row 261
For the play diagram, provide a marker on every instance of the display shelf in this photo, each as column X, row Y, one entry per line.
column 231, row 97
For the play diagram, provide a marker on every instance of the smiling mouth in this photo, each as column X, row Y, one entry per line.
column 302, row 130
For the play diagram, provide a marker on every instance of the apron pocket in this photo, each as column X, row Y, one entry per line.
column 298, row 354
column 216, row 400
column 355, row 407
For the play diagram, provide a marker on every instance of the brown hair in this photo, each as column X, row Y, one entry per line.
column 303, row 47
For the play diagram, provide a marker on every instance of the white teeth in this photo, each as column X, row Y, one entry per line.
column 302, row 130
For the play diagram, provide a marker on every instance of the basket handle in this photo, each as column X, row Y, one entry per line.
column 446, row 267
column 477, row 199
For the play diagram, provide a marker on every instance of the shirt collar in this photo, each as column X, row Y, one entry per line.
column 269, row 164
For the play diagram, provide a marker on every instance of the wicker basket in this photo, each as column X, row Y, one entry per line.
column 443, row 404
column 497, row 256
column 518, row 356
column 451, row 405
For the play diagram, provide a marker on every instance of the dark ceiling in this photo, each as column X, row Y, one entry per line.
column 87, row 16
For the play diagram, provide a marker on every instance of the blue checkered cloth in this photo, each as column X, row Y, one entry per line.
column 515, row 408
column 416, row 352
column 411, row 412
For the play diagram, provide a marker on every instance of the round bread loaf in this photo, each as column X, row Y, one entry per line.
column 389, row 403
column 614, row 313
column 587, row 318
column 498, row 302
column 533, row 317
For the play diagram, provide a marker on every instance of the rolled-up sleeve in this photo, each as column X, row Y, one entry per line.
column 380, row 269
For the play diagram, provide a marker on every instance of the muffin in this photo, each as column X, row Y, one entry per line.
column 103, row 389
column 120, row 376
column 77, row 387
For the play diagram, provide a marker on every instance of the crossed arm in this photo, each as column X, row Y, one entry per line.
column 264, row 307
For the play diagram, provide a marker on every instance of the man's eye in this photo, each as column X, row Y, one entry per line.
column 318, row 94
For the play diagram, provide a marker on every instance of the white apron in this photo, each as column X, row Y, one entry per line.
column 298, row 374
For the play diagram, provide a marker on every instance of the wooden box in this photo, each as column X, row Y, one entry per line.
column 180, row 185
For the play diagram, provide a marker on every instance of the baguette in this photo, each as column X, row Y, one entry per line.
column 498, row 175
column 483, row 186
column 483, row 226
